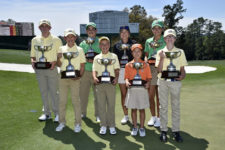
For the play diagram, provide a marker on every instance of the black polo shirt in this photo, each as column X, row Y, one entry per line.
column 117, row 49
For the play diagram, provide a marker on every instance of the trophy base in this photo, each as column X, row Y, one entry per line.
column 90, row 55
column 170, row 74
column 70, row 74
column 152, row 58
column 43, row 65
column 152, row 61
column 105, row 79
column 123, row 63
column 138, row 82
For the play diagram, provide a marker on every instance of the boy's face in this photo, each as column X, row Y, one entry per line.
column 157, row 31
column 104, row 46
column 170, row 39
column 137, row 53
column 70, row 39
column 44, row 28
column 91, row 31
column 124, row 34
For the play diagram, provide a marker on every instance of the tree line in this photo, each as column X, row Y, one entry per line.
column 203, row 39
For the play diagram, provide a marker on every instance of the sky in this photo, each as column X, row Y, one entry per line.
column 71, row 13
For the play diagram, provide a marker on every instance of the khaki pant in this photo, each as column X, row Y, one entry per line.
column 48, row 85
column 74, row 86
column 172, row 88
column 86, row 83
column 106, row 95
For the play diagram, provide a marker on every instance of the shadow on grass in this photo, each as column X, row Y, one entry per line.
column 80, row 141
column 116, row 142
column 152, row 142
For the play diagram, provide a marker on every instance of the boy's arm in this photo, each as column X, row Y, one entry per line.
column 32, row 54
column 127, row 83
column 146, row 51
column 59, row 63
column 160, row 65
column 94, row 75
column 146, row 57
column 53, row 65
column 33, row 60
column 82, row 69
column 182, row 74
column 116, row 76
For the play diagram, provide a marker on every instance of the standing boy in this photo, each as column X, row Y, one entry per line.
column 72, row 84
column 172, row 86
column 87, row 80
column 47, row 78
column 152, row 45
column 106, row 92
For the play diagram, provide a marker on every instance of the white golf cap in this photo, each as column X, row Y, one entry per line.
column 170, row 32
column 69, row 31
column 44, row 21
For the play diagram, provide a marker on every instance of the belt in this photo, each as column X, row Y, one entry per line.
column 171, row 80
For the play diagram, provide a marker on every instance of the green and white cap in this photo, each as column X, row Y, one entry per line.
column 157, row 23
column 91, row 24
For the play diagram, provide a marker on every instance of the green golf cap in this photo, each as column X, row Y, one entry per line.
column 91, row 24
column 157, row 23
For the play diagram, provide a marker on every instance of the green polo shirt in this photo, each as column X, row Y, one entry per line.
column 86, row 47
column 150, row 50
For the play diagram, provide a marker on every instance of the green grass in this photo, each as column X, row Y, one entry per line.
column 14, row 56
column 202, row 116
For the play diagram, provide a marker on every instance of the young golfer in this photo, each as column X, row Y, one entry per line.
column 153, row 45
column 106, row 92
column 87, row 80
column 72, row 84
column 118, row 50
column 47, row 78
column 137, row 96
column 170, row 86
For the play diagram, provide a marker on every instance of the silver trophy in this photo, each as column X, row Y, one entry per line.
column 105, row 78
column 137, row 81
column 70, row 70
column 42, row 62
column 171, row 71
column 154, row 44
column 124, row 58
column 90, row 53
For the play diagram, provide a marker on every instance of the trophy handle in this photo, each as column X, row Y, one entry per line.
column 75, row 54
column 36, row 47
column 179, row 54
column 99, row 61
column 113, row 61
column 48, row 48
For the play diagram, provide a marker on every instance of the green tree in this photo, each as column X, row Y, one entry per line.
column 204, row 40
column 138, row 14
column 172, row 14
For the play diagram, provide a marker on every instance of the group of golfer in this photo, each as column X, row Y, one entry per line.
column 101, row 70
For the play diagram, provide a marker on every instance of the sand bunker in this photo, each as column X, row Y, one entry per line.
column 199, row 69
